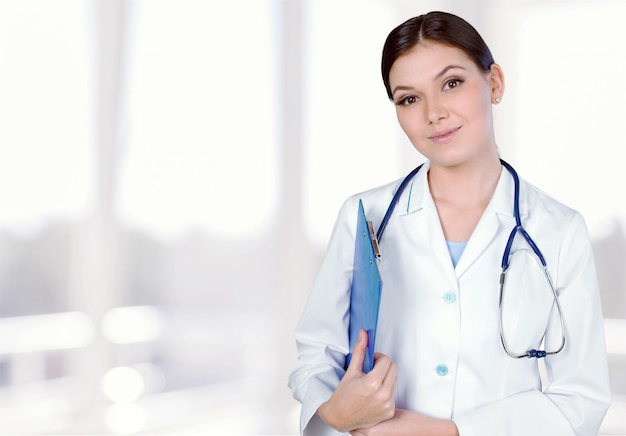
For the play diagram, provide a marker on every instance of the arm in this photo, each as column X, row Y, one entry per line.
column 579, row 383
column 577, row 394
column 362, row 400
column 409, row 423
column 333, row 398
column 322, row 332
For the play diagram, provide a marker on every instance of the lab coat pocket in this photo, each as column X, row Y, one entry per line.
column 526, row 303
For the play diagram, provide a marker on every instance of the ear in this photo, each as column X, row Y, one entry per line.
column 496, row 79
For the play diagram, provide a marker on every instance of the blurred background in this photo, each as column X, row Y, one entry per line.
column 170, row 171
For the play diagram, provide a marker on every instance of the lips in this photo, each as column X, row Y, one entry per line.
column 444, row 135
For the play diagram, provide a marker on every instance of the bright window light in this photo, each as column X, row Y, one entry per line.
column 615, row 332
column 202, row 148
column 569, row 107
column 125, row 325
column 57, row 331
column 123, row 384
column 351, row 136
column 46, row 111
column 125, row 418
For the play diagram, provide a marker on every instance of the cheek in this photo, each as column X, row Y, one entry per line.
column 471, row 103
column 408, row 121
column 475, row 109
column 412, row 127
column 482, row 99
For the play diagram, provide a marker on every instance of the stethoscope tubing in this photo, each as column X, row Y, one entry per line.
column 519, row 228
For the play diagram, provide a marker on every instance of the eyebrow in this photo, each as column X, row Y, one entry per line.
column 437, row 76
column 446, row 69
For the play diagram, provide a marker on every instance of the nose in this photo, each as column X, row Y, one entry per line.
column 435, row 112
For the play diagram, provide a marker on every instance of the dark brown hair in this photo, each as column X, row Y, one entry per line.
column 441, row 27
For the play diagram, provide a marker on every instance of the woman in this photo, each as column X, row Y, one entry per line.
column 441, row 366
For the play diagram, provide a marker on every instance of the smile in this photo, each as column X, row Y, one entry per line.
column 444, row 136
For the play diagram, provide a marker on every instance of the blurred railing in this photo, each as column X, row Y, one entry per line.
column 40, row 396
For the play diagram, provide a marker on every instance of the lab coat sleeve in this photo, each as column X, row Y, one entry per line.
column 322, row 332
column 577, row 394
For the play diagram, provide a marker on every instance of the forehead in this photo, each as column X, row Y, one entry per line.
column 427, row 59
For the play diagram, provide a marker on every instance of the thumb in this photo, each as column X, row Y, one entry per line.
column 358, row 354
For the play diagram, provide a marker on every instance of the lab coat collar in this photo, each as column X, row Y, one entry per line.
column 418, row 193
column 498, row 215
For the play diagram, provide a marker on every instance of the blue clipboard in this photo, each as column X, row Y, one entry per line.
column 365, row 290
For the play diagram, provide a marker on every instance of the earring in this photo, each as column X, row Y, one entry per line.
column 498, row 99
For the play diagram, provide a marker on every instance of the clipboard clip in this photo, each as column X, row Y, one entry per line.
column 374, row 239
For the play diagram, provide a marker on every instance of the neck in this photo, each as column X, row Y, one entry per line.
column 465, row 186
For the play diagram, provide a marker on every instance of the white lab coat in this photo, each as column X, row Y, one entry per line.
column 439, row 324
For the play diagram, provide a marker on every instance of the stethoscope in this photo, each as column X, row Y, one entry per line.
column 518, row 229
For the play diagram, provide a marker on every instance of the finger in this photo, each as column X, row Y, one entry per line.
column 381, row 366
column 391, row 378
column 358, row 354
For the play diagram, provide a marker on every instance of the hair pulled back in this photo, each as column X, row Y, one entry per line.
column 441, row 27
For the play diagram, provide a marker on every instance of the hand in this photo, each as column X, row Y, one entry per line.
column 362, row 400
column 408, row 423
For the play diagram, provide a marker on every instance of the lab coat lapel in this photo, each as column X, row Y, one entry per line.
column 498, row 217
column 419, row 216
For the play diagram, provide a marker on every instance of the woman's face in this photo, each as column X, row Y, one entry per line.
column 443, row 103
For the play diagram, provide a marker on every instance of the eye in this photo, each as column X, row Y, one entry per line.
column 406, row 101
column 452, row 83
